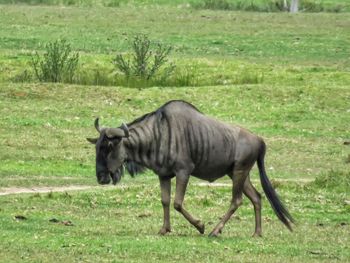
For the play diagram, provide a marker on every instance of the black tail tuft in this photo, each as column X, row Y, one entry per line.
column 280, row 210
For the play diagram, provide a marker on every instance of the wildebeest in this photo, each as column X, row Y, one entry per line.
column 177, row 140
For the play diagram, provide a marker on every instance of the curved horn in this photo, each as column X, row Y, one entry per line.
column 97, row 126
column 125, row 129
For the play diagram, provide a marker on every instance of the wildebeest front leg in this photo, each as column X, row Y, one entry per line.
column 238, row 179
column 181, row 185
column 165, row 187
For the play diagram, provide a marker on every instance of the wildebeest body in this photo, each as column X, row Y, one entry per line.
column 177, row 140
column 177, row 136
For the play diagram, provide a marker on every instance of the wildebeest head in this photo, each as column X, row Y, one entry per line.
column 110, row 153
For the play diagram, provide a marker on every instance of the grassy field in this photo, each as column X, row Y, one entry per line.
column 120, row 224
column 251, row 5
column 44, row 126
column 287, row 79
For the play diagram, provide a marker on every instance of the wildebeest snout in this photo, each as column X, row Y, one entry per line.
column 103, row 178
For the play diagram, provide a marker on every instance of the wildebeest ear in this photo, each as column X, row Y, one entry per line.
column 92, row 140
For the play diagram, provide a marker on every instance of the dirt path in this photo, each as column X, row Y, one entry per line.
column 42, row 189
column 23, row 190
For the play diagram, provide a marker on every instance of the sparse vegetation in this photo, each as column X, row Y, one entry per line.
column 57, row 64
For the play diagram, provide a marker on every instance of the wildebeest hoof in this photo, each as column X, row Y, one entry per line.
column 215, row 233
column 163, row 231
column 257, row 234
column 200, row 227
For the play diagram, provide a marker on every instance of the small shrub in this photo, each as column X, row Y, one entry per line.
column 57, row 64
column 147, row 62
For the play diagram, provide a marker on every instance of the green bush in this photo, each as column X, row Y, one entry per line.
column 57, row 64
column 147, row 62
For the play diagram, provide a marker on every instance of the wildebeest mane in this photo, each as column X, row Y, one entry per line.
column 160, row 111
column 143, row 117
column 134, row 168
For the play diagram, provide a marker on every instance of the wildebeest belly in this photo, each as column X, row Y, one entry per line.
column 212, row 172
column 215, row 159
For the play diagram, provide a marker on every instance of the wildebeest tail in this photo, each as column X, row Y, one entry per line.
column 280, row 210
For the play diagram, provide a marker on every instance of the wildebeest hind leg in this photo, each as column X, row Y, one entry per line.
column 165, row 187
column 255, row 198
column 238, row 179
column 181, row 185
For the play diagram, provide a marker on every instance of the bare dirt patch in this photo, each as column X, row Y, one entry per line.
column 48, row 189
column 23, row 190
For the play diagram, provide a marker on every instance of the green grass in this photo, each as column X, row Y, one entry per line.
column 210, row 47
column 120, row 224
column 201, row 32
column 251, row 5
column 286, row 80
column 304, row 128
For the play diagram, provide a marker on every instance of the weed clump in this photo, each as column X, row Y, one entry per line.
column 147, row 62
column 57, row 64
